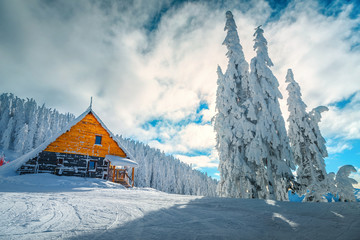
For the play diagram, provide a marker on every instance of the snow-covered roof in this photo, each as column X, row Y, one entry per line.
column 10, row 168
column 119, row 161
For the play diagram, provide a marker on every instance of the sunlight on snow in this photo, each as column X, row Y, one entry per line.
column 337, row 214
column 291, row 223
column 271, row 202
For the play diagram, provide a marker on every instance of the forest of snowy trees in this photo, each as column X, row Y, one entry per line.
column 24, row 125
column 166, row 173
column 256, row 154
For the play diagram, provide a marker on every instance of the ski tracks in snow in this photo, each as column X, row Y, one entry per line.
column 37, row 214
column 148, row 214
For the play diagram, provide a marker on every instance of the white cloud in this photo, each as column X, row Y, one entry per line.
column 343, row 123
column 201, row 161
column 337, row 146
column 184, row 139
column 199, row 137
column 315, row 46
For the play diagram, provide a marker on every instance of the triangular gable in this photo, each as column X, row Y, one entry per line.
column 17, row 163
column 80, row 139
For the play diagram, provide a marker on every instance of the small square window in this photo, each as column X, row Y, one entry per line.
column 92, row 166
column 60, row 161
column 98, row 140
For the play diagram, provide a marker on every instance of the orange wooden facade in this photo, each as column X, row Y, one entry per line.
column 81, row 140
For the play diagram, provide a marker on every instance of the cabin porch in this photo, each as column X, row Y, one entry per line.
column 119, row 170
column 121, row 175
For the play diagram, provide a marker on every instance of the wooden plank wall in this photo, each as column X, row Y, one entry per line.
column 81, row 140
column 73, row 165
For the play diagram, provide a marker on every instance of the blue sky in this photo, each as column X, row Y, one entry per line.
column 151, row 65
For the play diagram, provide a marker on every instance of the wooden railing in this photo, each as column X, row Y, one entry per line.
column 121, row 176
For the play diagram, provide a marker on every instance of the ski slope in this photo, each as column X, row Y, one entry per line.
column 46, row 206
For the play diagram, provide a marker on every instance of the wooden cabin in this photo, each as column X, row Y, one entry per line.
column 85, row 148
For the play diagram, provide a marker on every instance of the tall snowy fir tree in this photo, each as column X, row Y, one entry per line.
column 232, row 125
column 31, row 119
column 308, row 146
column 6, row 138
column 331, row 184
column 270, row 149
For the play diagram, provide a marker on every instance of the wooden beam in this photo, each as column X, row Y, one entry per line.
column 113, row 176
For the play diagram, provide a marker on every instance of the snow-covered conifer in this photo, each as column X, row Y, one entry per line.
column 19, row 119
column 270, row 149
column 21, row 127
column 308, row 146
column 166, row 173
column 345, row 184
column 315, row 116
column 21, row 138
column 6, row 138
column 331, row 184
column 5, row 109
column 31, row 119
column 233, row 120
column 41, row 129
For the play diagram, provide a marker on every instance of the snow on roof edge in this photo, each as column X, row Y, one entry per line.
column 11, row 167
column 120, row 161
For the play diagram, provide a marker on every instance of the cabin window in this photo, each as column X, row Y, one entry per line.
column 92, row 165
column 98, row 140
column 60, row 161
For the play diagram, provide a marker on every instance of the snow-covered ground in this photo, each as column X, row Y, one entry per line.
column 46, row 206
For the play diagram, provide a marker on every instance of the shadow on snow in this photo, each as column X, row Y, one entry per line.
column 224, row 218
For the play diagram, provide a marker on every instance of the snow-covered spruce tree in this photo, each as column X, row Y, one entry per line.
column 21, row 138
column 20, row 130
column 307, row 144
column 31, row 119
column 233, row 122
column 6, row 138
column 5, row 112
column 270, row 149
column 331, row 184
column 345, row 184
